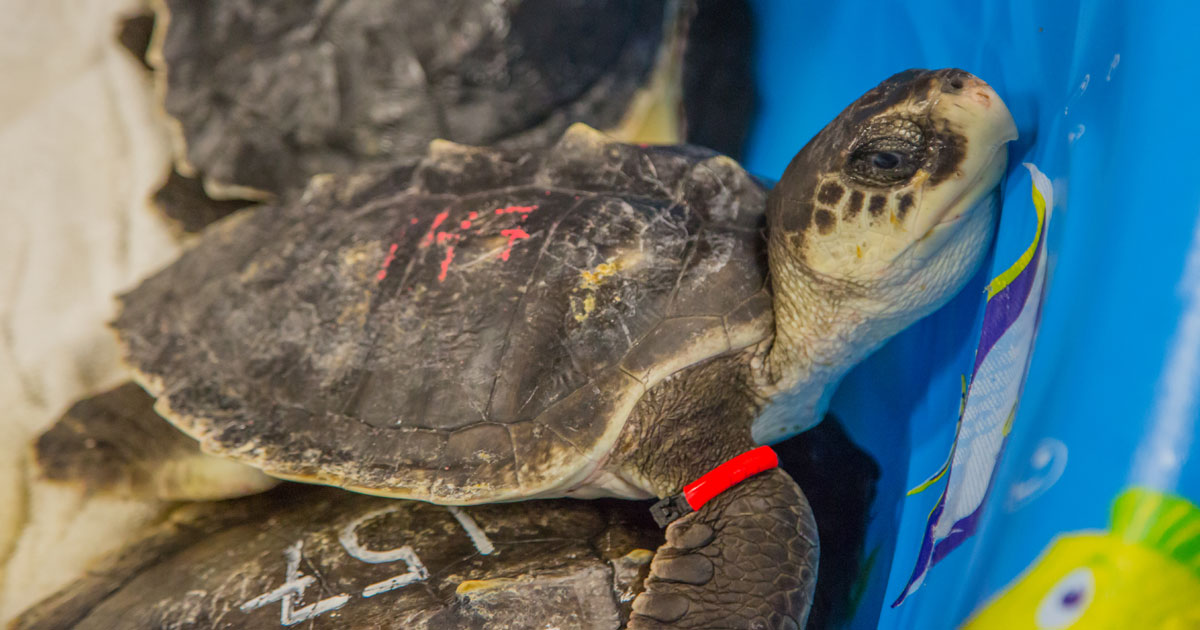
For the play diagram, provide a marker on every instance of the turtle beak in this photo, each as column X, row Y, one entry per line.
column 997, row 126
column 970, row 104
column 972, row 107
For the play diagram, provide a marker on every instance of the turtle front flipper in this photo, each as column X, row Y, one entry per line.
column 745, row 559
column 114, row 443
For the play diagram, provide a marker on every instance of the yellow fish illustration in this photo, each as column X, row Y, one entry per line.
column 1142, row 575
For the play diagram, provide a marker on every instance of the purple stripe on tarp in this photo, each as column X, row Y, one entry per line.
column 1007, row 305
column 1001, row 311
column 925, row 555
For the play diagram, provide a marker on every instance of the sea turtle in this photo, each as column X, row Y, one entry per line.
column 564, row 564
column 592, row 319
column 263, row 94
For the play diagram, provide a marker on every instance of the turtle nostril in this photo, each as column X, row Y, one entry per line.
column 954, row 81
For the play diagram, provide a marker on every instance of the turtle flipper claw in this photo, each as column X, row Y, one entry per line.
column 747, row 559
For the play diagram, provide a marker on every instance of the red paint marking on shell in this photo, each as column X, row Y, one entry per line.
column 514, row 235
column 446, row 263
column 547, row 193
column 437, row 220
column 516, row 209
column 473, row 215
column 466, row 225
column 413, row 220
column 643, row 145
column 443, row 237
column 387, row 262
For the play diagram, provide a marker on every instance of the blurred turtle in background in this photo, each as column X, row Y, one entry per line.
column 263, row 94
column 253, row 563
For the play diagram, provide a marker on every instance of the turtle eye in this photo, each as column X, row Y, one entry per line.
column 1067, row 600
column 885, row 160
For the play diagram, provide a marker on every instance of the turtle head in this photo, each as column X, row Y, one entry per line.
column 893, row 198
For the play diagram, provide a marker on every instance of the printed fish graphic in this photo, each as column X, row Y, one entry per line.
column 1144, row 574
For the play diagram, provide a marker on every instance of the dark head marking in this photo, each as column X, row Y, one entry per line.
column 874, row 148
column 906, row 203
column 853, row 204
column 951, row 151
column 830, row 193
column 877, row 204
column 800, row 217
column 885, row 156
column 824, row 220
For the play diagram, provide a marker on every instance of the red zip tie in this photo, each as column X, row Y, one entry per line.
column 728, row 475
column 713, row 483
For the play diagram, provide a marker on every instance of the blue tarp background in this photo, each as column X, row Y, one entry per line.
column 1105, row 95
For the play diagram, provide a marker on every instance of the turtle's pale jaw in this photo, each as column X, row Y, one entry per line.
column 980, row 118
column 972, row 199
column 825, row 327
column 832, row 328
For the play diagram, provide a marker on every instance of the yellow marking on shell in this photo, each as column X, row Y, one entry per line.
column 355, row 311
column 361, row 261
column 858, row 250
column 589, row 305
column 589, row 281
column 355, row 255
column 472, row 586
column 639, row 556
